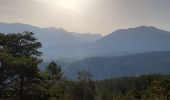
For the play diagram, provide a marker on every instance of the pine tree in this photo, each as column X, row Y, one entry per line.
column 22, row 68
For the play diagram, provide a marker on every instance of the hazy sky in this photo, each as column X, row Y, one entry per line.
column 94, row 16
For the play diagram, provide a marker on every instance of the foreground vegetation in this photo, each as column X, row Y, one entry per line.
column 20, row 78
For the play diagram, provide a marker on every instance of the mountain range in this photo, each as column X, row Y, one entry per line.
column 57, row 43
column 60, row 44
column 125, row 52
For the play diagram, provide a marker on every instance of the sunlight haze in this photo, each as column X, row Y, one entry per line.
column 87, row 16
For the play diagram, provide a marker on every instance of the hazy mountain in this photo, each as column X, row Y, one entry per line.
column 57, row 43
column 132, row 65
column 67, row 47
column 60, row 44
column 134, row 40
column 51, row 35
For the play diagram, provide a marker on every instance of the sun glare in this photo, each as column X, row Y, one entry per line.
column 66, row 4
column 70, row 4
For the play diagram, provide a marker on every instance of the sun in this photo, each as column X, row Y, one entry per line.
column 71, row 4
column 66, row 4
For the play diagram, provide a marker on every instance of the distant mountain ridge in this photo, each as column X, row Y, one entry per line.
column 50, row 33
column 142, row 39
column 60, row 44
column 56, row 42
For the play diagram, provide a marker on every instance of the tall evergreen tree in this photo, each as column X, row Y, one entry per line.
column 87, row 86
column 51, row 84
column 22, row 68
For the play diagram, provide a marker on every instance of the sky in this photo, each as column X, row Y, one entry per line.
column 87, row 16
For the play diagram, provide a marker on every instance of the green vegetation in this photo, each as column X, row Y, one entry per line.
column 149, row 87
column 20, row 78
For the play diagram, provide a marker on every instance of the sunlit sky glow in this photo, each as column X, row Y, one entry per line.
column 94, row 16
column 66, row 4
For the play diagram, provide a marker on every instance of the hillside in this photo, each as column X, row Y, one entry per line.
column 131, row 65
